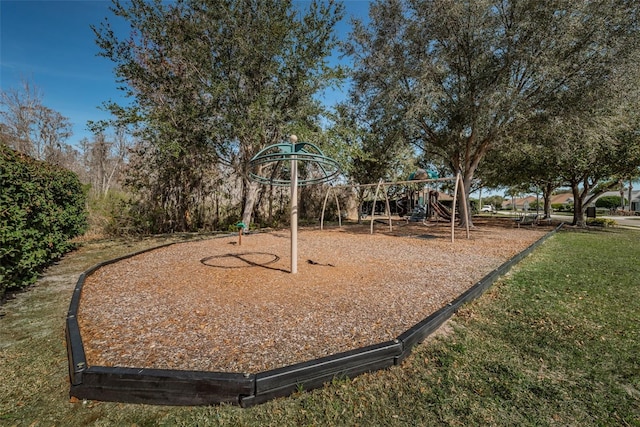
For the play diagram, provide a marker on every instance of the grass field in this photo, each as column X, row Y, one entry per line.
column 556, row 342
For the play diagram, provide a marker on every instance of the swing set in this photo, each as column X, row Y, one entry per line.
column 381, row 185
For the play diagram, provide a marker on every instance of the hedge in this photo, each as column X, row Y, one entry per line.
column 42, row 207
column 610, row 202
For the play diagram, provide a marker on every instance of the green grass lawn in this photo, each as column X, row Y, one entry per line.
column 556, row 342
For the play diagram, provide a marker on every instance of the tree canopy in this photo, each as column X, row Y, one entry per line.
column 213, row 82
column 590, row 151
column 455, row 78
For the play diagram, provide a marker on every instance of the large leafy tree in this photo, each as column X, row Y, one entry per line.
column 456, row 76
column 367, row 154
column 528, row 163
column 590, row 151
column 590, row 155
column 213, row 82
column 591, row 158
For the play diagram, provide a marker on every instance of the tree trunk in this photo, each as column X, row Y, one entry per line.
column 578, row 211
column 465, row 216
column 546, row 195
column 252, row 190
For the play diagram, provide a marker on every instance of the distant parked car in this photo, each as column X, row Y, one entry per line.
column 487, row 208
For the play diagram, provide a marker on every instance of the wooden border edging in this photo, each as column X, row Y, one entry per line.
column 314, row 373
column 417, row 333
column 162, row 386
column 176, row 387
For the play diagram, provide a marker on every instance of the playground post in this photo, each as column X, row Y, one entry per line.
column 294, row 205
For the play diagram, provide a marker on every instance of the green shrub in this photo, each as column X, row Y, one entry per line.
column 562, row 207
column 601, row 222
column 609, row 202
column 536, row 205
column 42, row 207
column 116, row 215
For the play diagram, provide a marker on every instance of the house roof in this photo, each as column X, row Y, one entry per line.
column 562, row 198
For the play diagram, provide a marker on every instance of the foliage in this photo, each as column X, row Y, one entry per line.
column 495, row 200
column 609, row 202
column 601, row 222
column 593, row 156
column 588, row 153
column 562, row 207
column 523, row 164
column 32, row 128
column 590, row 150
column 212, row 83
column 114, row 215
column 42, row 208
column 369, row 154
column 103, row 160
column 534, row 205
column 455, row 78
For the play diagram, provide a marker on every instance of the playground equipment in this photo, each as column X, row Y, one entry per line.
column 270, row 166
column 437, row 207
column 440, row 209
column 241, row 226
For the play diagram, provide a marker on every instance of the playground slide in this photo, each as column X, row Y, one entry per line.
column 440, row 209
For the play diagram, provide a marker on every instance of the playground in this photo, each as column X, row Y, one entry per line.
column 233, row 319
column 217, row 305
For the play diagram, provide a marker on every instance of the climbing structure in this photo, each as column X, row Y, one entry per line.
column 277, row 165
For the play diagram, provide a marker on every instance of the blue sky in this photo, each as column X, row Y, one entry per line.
column 50, row 44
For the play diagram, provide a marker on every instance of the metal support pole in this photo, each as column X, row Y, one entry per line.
column 453, row 207
column 294, row 206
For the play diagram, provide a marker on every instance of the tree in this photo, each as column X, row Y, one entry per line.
column 457, row 76
column 525, row 161
column 19, row 107
column 215, row 82
column 495, row 201
column 105, row 158
column 587, row 157
column 609, row 202
column 591, row 150
column 34, row 129
column 367, row 155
